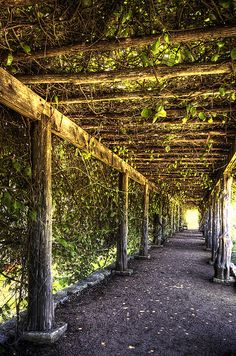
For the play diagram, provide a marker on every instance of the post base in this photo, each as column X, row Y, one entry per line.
column 140, row 257
column 45, row 337
column 127, row 272
column 231, row 280
column 156, row 246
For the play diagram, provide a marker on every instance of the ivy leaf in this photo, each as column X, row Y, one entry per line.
column 166, row 38
column 145, row 59
column 184, row 120
column 155, row 46
column 146, row 112
column 220, row 44
column 202, row 116
column 210, row 120
column 215, row 58
column 25, row 47
column 233, row 96
column 9, row 59
column 222, row 91
column 225, row 3
column 167, row 149
column 233, row 54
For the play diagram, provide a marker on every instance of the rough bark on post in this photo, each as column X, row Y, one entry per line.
column 209, row 228
column 40, row 299
column 223, row 254
column 122, row 260
column 144, row 238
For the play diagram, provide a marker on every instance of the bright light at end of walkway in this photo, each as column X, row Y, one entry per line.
column 192, row 219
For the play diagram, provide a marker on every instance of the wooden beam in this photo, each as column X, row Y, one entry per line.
column 143, row 251
column 19, row 3
column 182, row 36
column 140, row 95
column 23, row 100
column 122, row 255
column 150, row 73
column 40, row 300
column 175, row 113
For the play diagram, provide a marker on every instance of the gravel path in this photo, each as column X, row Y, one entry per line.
column 169, row 306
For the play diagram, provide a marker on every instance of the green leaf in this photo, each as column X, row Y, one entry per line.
column 233, row 54
column 166, row 38
column 215, row 58
column 202, row 116
column 9, row 59
column 225, row 3
column 220, row 44
column 222, row 91
column 167, row 149
column 56, row 99
column 17, row 166
column 155, row 46
column 145, row 59
column 210, row 120
column 146, row 112
column 184, row 120
column 233, row 96
column 25, row 47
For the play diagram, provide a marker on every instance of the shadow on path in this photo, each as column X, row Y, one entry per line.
column 168, row 306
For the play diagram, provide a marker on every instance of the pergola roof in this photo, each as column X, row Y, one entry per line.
column 154, row 81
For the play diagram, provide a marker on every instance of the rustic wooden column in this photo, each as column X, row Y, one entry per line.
column 40, row 304
column 223, row 254
column 209, row 228
column 40, row 313
column 121, row 257
column 143, row 251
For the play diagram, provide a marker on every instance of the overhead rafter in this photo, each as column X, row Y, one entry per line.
column 161, row 72
column 198, row 34
column 175, row 113
column 23, row 100
column 139, row 95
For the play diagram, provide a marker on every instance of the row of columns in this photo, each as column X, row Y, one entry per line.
column 216, row 229
column 40, row 315
column 40, row 299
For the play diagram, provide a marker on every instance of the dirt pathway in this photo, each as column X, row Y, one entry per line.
column 168, row 306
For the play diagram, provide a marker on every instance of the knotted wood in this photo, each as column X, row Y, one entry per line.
column 40, row 300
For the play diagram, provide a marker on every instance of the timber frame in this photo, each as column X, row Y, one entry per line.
column 154, row 102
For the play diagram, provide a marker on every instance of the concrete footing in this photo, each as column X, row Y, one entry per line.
column 45, row 337
column 229, row 281
column 127, row 272
column 140, row 257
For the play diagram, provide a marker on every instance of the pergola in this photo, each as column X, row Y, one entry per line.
column 156, row 103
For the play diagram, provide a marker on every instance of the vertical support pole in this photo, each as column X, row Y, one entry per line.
column 223, row 254
column 209, row 232
column 122, row 257
column 143, row 251
column 40, row 299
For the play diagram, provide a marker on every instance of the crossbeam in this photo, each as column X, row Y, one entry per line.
column 23, row 100
column 148, row 73
column 182, row 36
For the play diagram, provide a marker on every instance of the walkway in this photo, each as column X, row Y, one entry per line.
column 168, row 306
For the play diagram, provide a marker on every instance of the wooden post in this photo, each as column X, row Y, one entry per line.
column 209, row 228
column 40, row 313
column 122, row 258
column 143, row 252
column 40, row 304
column 223, row 254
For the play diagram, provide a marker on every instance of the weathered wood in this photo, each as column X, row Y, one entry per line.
column 176, row 114
column 40, row 300
column 143, row 251
column 150, row 73
column 139, row 95
column 121, row 257
column 182, row 36
column 223, row 254
column 18, row 3
column 18, row 97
